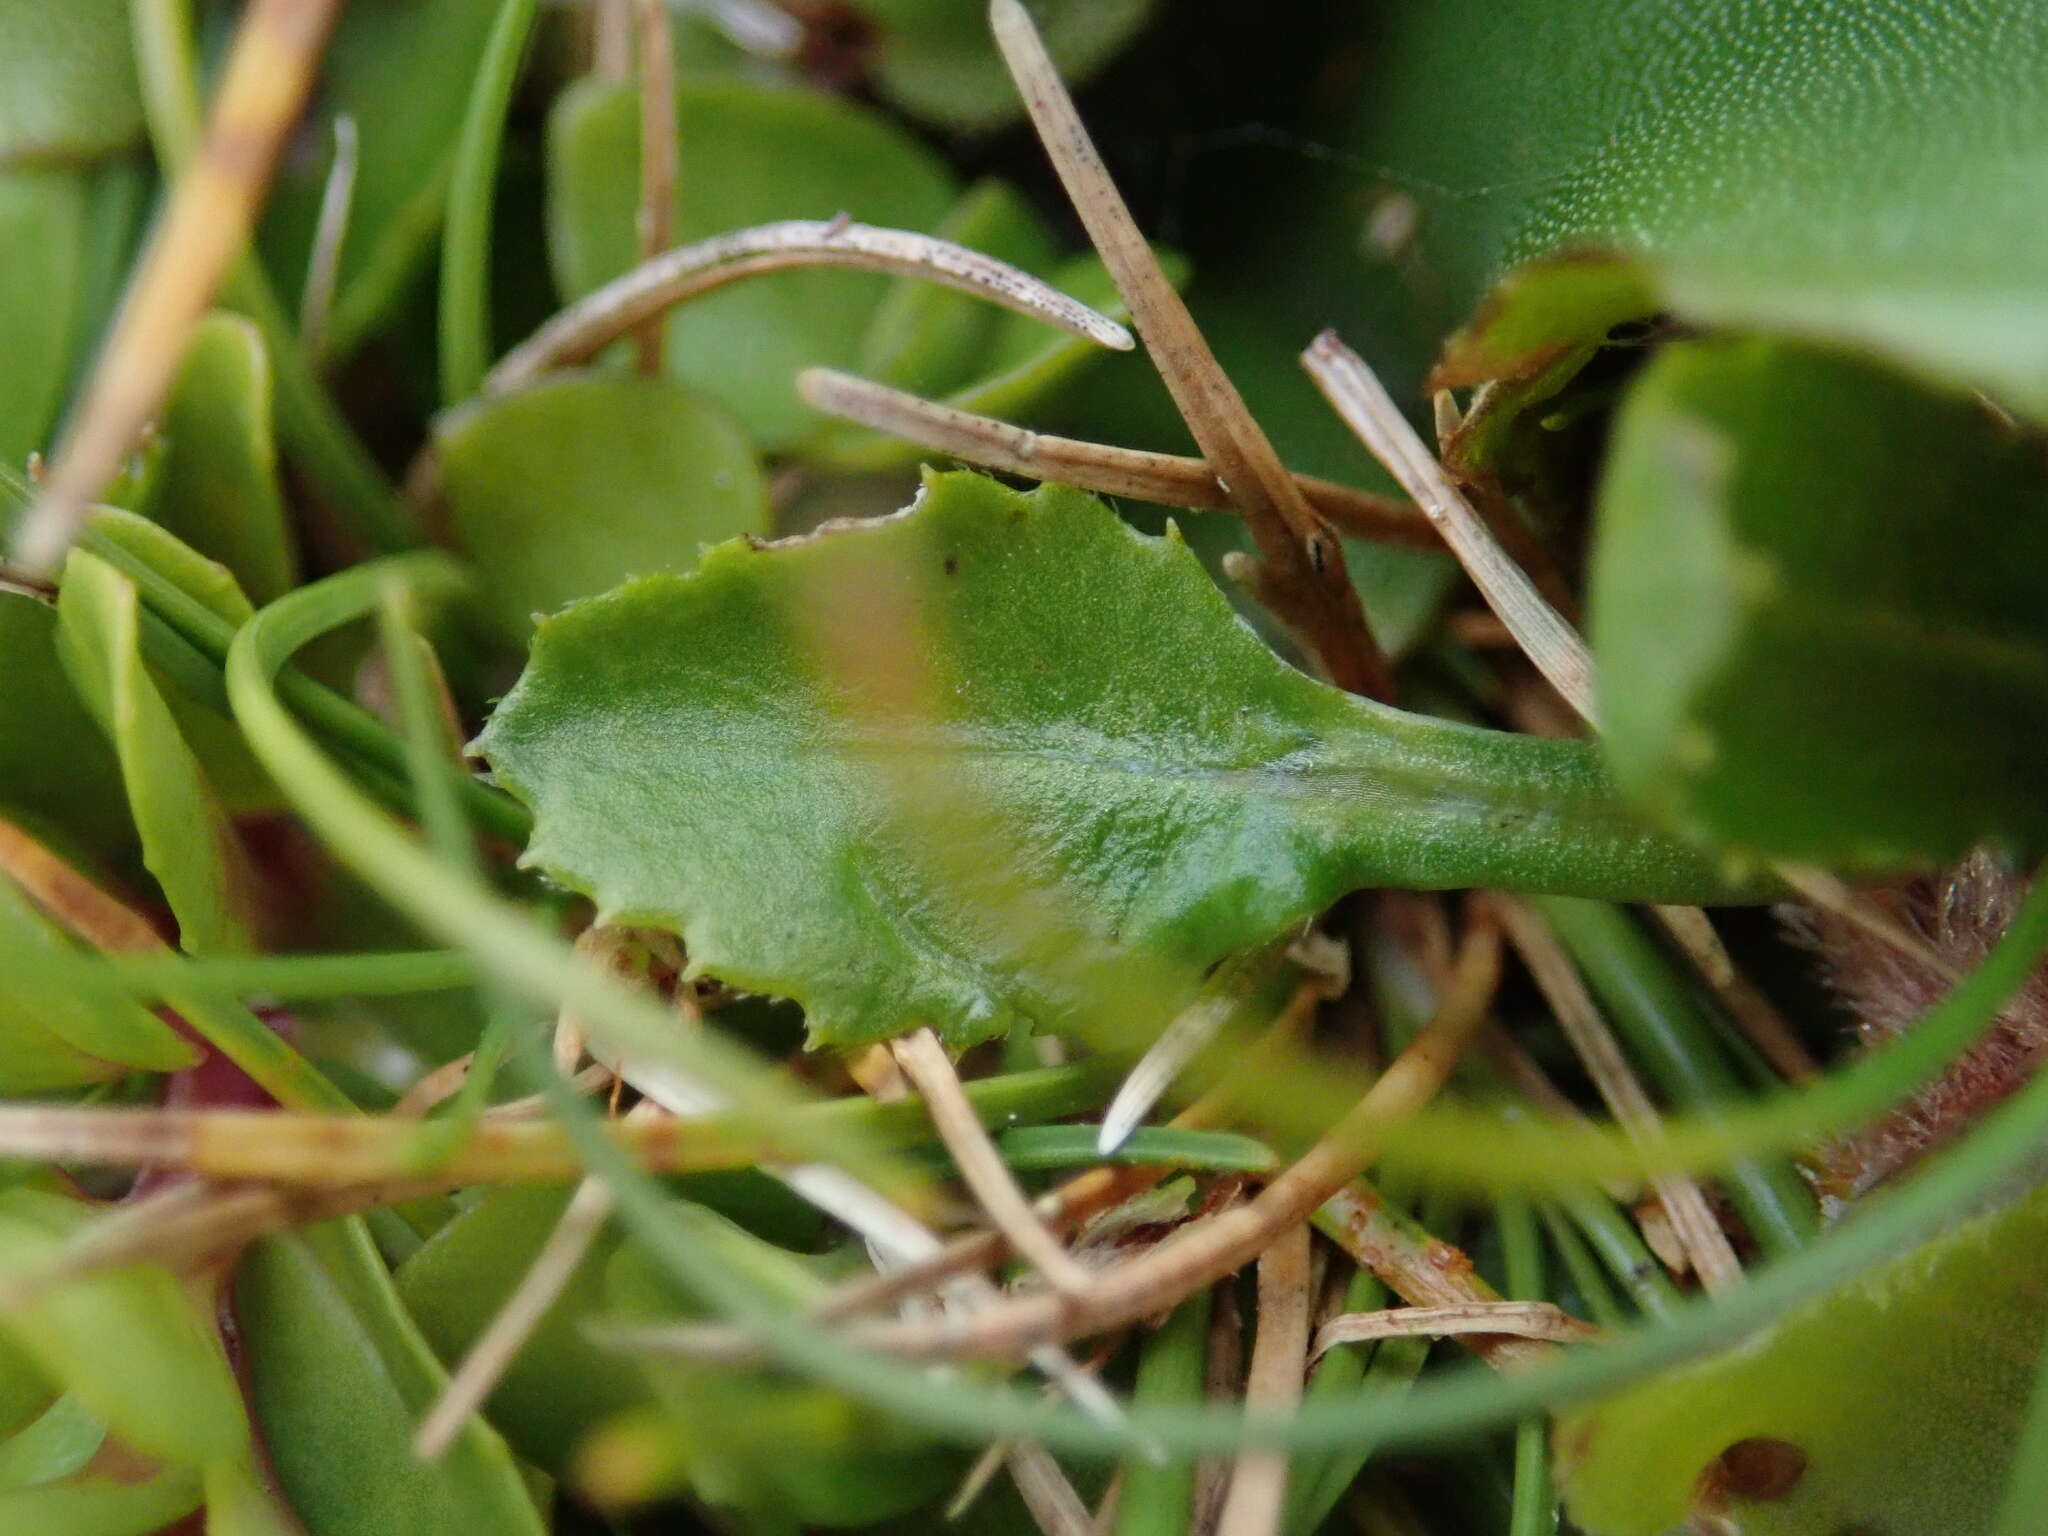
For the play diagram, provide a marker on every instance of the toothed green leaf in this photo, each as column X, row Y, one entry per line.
column 998, row 758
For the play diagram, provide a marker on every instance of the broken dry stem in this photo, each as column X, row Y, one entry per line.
column 1357, row 395
column 1307, row 580
column 924, row 1061
column 1557, row 978
column 1207, row 1250
column 584, row 329
column 1518, row 1319
column 1258, row 1483
column 1168, row 479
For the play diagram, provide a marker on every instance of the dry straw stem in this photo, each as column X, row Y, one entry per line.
column 1363, row 402
column 924, row 1061
column 1713, row 1259
column 1207, row 1250
column 1306, row 579
column 203, row 229
column 594, row 322
column 1541, row 1320
column 73, row 900
column 1761, row 1023
column 1169, row 479
column 657, row 214
column 1258, row 1483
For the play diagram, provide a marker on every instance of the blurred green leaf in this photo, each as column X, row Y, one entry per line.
column 565, row 489
column 1854, row 172
column 975, row 763
column 783, row 1454
column 1904, row 1393
column 103, row 1505
column 561, row 1384
column 338, row 1378
column 63, row 1438
column 218, row 490
column 42, row 243
column 187, row 841
column 57, row 776
column 1817, row 610
column 55, row 1035
column 67, row 80
column 132, row 1345
column 751, row 154
column 935, row 58
column 402, row 69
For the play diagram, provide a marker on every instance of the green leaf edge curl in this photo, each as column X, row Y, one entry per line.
column 1260, row 795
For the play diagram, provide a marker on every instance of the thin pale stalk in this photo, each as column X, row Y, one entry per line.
column 1207, row 1250
column 204, row 228
column 1170, row 479
column 1760, row 1022
column 655, row 225
column 1307, row 578
column 330, row 231
column 594, row 322
column 1713, row 1258
column 924, row 1061
column 1258, row 1483
column 484, row 1366
column 1365, row 406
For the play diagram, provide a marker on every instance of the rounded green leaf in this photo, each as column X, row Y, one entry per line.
column 565, row 489
column 1816, row 608
column 561, row 1385
column 936, row 60
column 751, row 154
column 67, row 80
column 1903, row 1393
column 338, row 1378
column 1000, row 757
column 217, row 487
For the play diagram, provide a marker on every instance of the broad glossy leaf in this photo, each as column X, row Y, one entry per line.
column 339, row 1377
column 1817, row 610
column 57, row 775
column 403, row 70
column 972, row 763
column 187, row 841
column 54, row 1035
column 755, row 153
column 935, row 58
column 67, row 80
column 1841, row 170
column 217, row 489
column 561, row 1385
column 1904, row 1392
column 42, row 239
column 132, row 1344
column 565, row 489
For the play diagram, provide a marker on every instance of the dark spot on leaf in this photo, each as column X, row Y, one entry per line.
column 1760, row 1467
column 952, row 565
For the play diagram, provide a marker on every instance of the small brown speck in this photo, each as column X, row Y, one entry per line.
column 952, row 565
column 1760, row 1467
